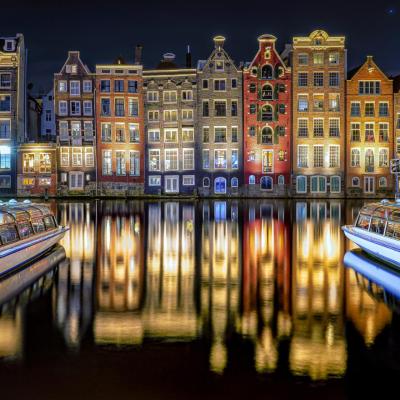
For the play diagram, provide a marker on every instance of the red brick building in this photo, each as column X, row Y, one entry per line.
column 120, row 127
column 267, row 122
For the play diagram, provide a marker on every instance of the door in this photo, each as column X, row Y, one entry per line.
column 171, row 184
column 369, row 184
column 76, row 180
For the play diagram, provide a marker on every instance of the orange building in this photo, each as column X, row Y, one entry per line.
column 369, row 131
column 119, row 119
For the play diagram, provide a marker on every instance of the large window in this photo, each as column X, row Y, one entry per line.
column 235, row 159
column 171, row 135
column 369, row 160
column 302, row 127
column 133, row 107
column 5, row 80
column 369, row 109
column 266, row 135
column 219, row 85
column 301, row 184
column 188, row 158
column 267, row 72
column 220, row 185
column 355, row 131
column 134, row 134
column 334, row 127
column 118, row 85
column 170, row 115
column 120, row 133
column 132, row 86
column 369, row 87
column 333, row 79
column 220, row 108
column 383, row 109
column 74, row 88
column 318, row 79
column 334, row 158
column 266, row 183
column 45, row 163
column 302, row 79
column 120, row 162
column 220, row 134
column 187, row 134
column 355, row 157
column 87, row 107
column 302, row 156
column 267, row 161
column 105, row 107
column 77, row 156
column 383, row 158
column 267, row 92
column 5, row 129
column 28, row 165
column 106, row 133
column 383, row 132
column 134, row 162
column 318, row 102
column 206, row 159
column 318, row 128
column 302, row 103
column 220, row 159
column 107, row 162
column 170, row 96
column 355, row 109
column 205, row 108
column 318, row 184
column 75, row 107
column 105, row 86
column 5, row 103
column 171, row 159
column 119, row 107
column 318, row 156
column 154, row 160
column 369, row 132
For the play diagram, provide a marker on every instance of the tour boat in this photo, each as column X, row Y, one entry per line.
column 377, row 231
column 26, row 231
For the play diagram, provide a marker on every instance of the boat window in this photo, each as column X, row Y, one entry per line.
column 393, row 230
column 49, row 222
column 5, row 218
column 8, row 234
column 363, row 221
column 38, row 225
column 25, row 229
column 377, row 226
column 395, row 215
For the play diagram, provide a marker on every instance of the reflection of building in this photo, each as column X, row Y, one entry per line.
column 170, row 122
column 74, row 295
column 37, row 169
column 369, row 97
column 267, row 119
column 220, row 137
column 319, row 68
column 220, row 266
column 318, row 346
column 74, row 113
column 12, row 108
column 266, row 279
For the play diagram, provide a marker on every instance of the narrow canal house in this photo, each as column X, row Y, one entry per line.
column 396, row 118
column 319, row 71
column 267, row 122
column 370, row 131
column 12, row 108
column 120, row 127
column 75, row 128
column 220, row 129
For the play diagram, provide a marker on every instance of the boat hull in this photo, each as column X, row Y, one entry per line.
column 21, row 253
column 380, row 247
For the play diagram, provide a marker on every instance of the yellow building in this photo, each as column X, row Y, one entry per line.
column 319, row 68
column 369, row 131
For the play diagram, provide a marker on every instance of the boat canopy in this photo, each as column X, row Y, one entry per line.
column 389, row 211
column 19, row 212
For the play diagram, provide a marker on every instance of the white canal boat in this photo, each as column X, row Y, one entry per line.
column 26, row 231
column 377, row 231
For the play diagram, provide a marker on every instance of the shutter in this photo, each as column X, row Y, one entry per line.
column 258, row 135
column 276, row 112
column 276, row 135
column 276, row 91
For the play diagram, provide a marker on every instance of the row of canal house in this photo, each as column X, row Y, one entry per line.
column 293, row 123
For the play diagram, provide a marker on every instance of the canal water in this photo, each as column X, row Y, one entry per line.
column 198, row 300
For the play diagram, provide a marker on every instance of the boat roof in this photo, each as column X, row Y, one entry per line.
column 13, row 211
column 383, row 209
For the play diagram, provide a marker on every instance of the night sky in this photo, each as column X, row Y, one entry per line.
column 102, row 31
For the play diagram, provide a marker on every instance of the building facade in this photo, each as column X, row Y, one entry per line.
column 170, row 118
column 369, row 98
column 120, row 127
column 75, row 127
column 48, row 124
column 267, row 122
column 13, row 107
column 219, row 168
column 319, row 73
column 37, row 169
column 396, row 121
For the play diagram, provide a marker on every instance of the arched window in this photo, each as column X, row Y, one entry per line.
column 266, row 135
column 220, row 185
column 206, row 182
column 266, row 113
column 266, row 183
column 382, row 182
column 267, row 92
column 301, row 184
column 234, row 182
column 252, row 180
column 281, row 180
column 369, row 160
column 355, row 182
column 279, row 70
column 266, row 72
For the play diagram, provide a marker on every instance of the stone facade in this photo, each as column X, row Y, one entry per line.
column 120, row 127
column 267, row 122
column 219, row 157
column 369, row 141
column 319, row 73
column 13, row 107
column 170, row 103
column 75, row 127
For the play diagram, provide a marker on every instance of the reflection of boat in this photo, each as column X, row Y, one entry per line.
column 16, row 283
column 379, row 280
column 26, row 231
column 377, row 231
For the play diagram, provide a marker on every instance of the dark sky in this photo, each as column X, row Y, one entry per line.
column 102, row 31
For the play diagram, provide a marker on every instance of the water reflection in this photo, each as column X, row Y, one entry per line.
column 260, row 283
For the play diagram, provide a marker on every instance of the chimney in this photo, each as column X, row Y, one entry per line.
column 188, row 58
column 138, row 54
